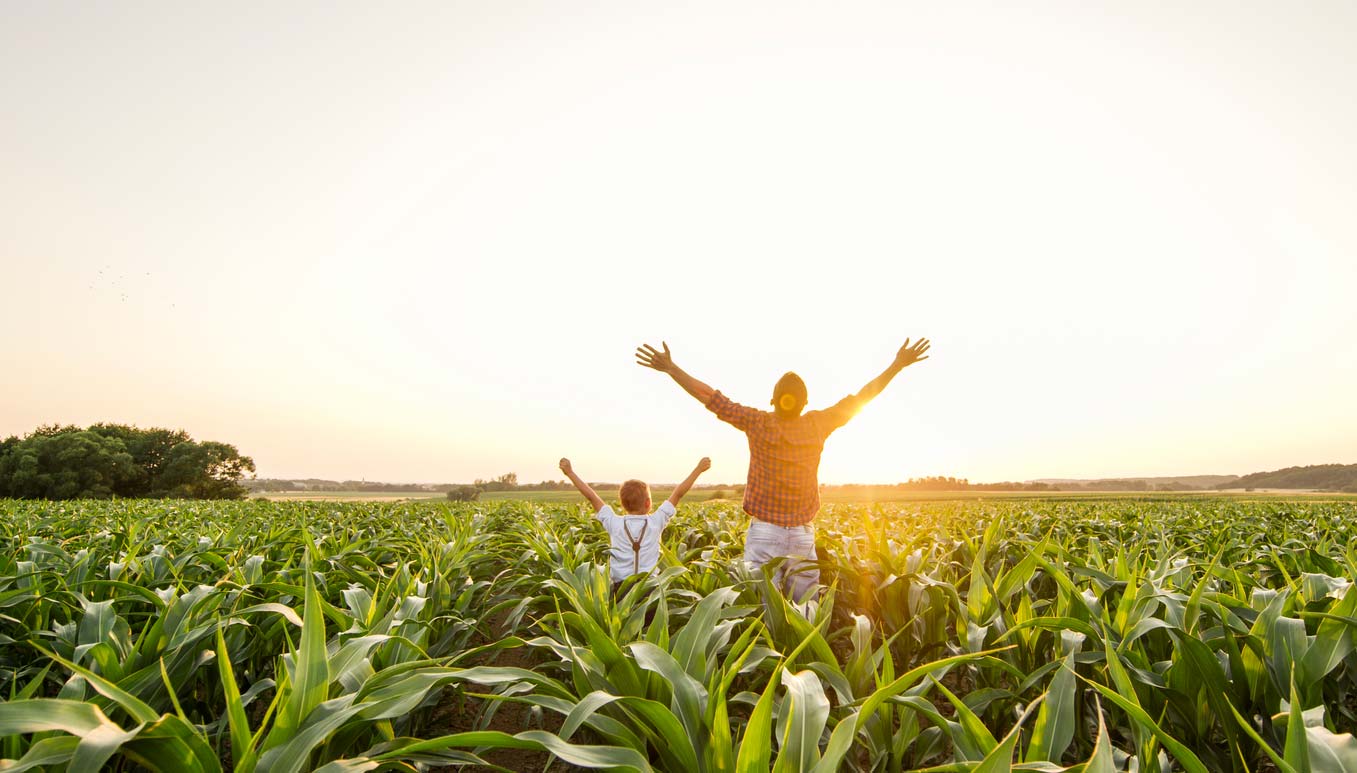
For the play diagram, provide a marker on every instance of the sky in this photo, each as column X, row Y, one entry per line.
column 420, row 242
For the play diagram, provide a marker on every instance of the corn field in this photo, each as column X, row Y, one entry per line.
column 1078, row 635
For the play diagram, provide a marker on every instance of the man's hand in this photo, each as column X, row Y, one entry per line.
column 565, row 466
column 908, row 355
column 663, row 361
column 704, row 464
column 651, row 357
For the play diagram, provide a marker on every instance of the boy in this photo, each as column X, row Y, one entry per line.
column 636, row 535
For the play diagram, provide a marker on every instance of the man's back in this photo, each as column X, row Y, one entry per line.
column 784, row 456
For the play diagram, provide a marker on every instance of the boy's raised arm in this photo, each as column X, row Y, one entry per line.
column 662, row 361
column 688, row 482
column 585, row 488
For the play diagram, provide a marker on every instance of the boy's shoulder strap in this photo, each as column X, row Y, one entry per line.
column 636, row 541
column 626, row 526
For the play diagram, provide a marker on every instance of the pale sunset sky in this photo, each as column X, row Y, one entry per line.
column 420, row 241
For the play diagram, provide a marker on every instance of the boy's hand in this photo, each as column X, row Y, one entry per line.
column 702, row 466
column 651, row 357
column 908, row 355
column 565, row 466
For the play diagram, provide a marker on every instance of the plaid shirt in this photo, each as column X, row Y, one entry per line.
column 784, row 456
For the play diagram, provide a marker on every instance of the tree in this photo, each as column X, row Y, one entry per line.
column 506, row 482
column 204, row 470
column 150, row 450
column 64, row 462
column 464, row 493
column 52, row 430
column 66, row 465
column 6, row 445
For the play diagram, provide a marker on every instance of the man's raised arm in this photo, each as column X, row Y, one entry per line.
column 651, row 357
column 908, row 355
column 838, row 415
column 741, row 417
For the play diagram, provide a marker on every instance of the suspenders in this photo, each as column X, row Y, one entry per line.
column 636, row 543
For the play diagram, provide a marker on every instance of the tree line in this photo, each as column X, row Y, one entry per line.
column 1322, row 477
column 458, row 492
column 117, row 460
column 1330, row 477
column 947, row 483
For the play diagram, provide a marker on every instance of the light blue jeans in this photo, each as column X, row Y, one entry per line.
column 766, row 541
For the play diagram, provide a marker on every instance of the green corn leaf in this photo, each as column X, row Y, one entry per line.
column 56, row 752
column 840, row 741
column 1332, row 642
column 1249, row 730
column 1193, row 609
column 42, row 715
column 310, row 672
column 1053, row 729
column 97, row 622
column 594, row 757
column 689, row 646
column 1101, row 761
column 979, row 736
column 139, row 710
column 288, row 613
column 241, row 749
column 582, row 711
column 720, row 752
column 801, row 723
column 1296, row 752
column 171, row 744
column 1000, row 759
column 689, row 696
column 906, row 680
column 1185, row 756
column 1330, row 751
column 1054, row 624
column 354, row 765
column 1206, row 671
column 756, row 749
column 668, row 734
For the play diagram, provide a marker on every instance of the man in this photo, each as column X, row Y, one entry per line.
column 782, row 493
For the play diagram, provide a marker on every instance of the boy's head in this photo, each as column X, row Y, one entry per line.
column 789, row 395
column 635, row 495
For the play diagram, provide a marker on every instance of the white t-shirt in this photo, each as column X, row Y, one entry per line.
column 644, row 529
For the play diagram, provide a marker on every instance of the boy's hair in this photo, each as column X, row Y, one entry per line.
column 635, row 495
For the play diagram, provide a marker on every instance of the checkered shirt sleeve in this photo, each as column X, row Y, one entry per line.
column 741, row 417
